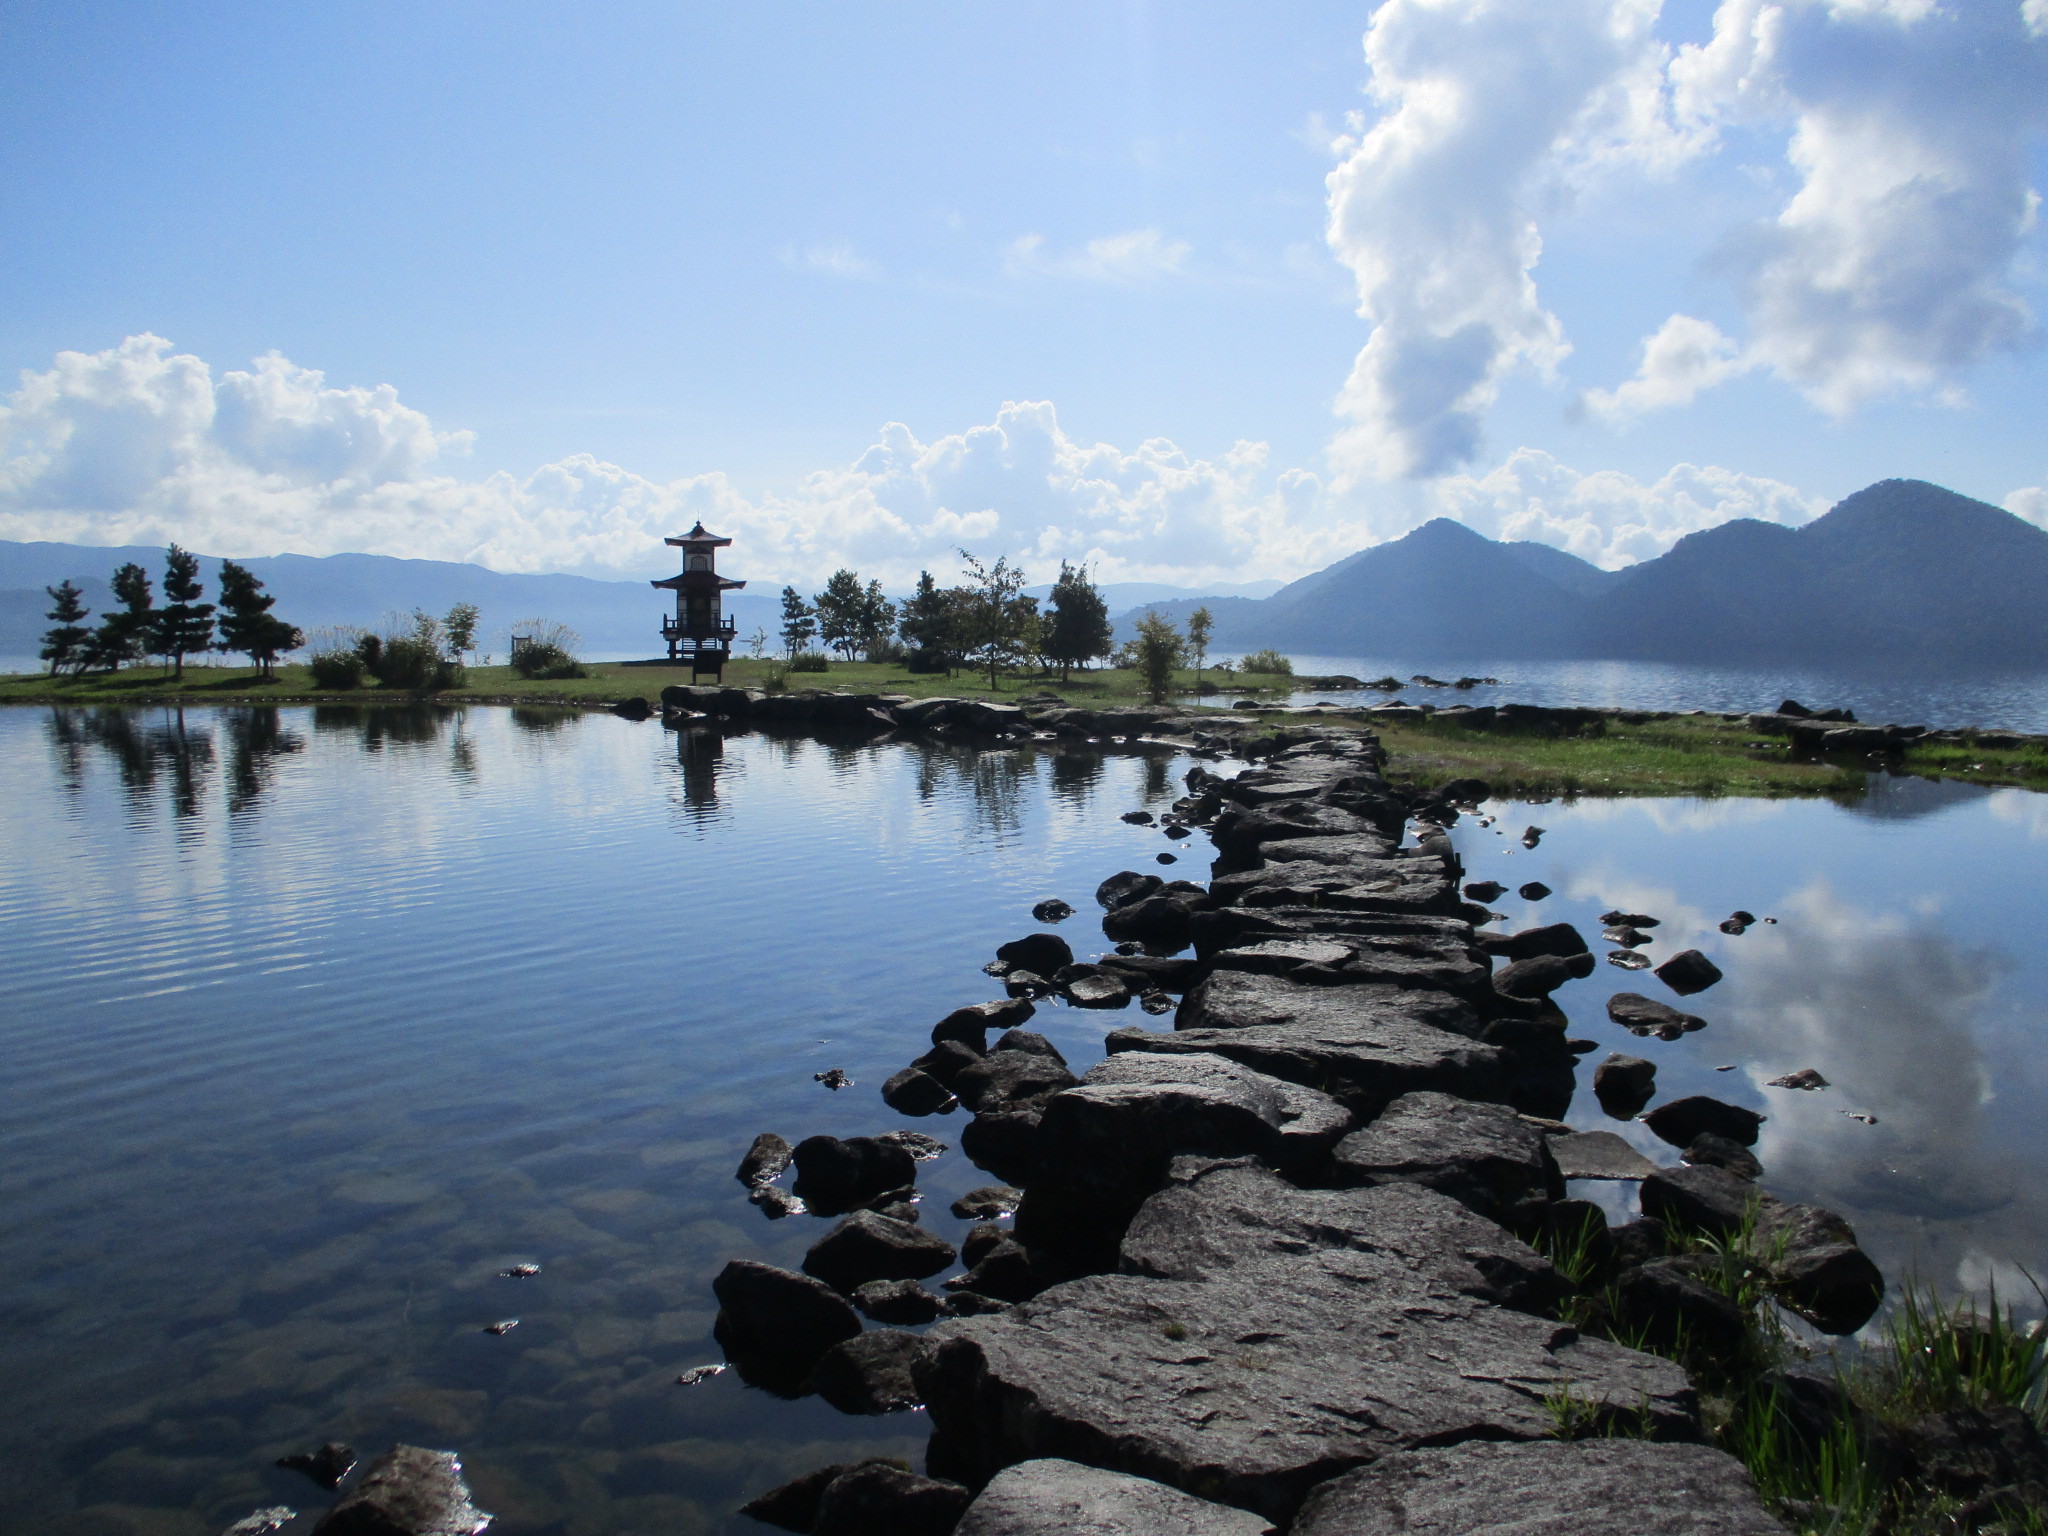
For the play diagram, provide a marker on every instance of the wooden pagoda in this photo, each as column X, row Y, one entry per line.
column 700, row 633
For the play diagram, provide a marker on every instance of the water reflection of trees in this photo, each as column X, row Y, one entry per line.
column 377, row 725
column 994, row 784
column 1075, row 776
column 543, row 722
column 257, row 738
column 146, row 747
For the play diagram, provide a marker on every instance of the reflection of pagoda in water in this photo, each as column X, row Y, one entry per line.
column 700, row 633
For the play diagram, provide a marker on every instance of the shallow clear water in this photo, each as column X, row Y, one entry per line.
column 315, row 1020
column 2012, row 701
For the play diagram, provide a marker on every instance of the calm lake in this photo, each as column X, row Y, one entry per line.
column 315, row 1020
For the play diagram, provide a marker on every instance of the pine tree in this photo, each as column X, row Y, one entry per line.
column 1078, row 628
column 65, row 646
column 930, row 625
column 799, row 621
column 874, row 619
column 184, row 625
column 124, row 634
column 247, row 624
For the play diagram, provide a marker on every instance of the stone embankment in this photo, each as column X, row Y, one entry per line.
column 1279, row 1267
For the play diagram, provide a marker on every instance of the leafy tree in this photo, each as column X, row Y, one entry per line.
column 757, row 642
column 247, row 624
column 874, row 619
column 1077, row 630
column 458, row 629
column 1201, row 624
column 1159, row 651
column 840, row 609
column 65, row 646
column 184, row 625
column 799, row 620
column 124, row 634
column 996, row 613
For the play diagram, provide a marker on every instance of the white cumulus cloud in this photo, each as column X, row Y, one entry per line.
column 1682, row 358
column 1609, row 518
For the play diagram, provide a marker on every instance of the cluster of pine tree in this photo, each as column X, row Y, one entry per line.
column 183, row 626
column 986, row 619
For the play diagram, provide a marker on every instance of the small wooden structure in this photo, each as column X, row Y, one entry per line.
column 700, row 633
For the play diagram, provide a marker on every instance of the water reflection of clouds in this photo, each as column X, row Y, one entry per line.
column 1892, row 1011
column 1675, row 814
column 2023, row 809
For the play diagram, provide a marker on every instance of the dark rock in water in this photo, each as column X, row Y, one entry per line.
column 1137, row 818
column 947, row 1060
column 1162, row 919
column 1002, row 1142
column 1620, row 919
column 1744, row 918
column 903, row 1303
column 1002, row 1078
column 1531, row 836
column 1148, row 973
column 970, row 1025
column 1040, row 952
column 774, row 1324
column 1167, row 858
column 1229, row 1384
column 987, row 1202
column 912, row 1092
column 1125, row 887
column 981, row 1239
column 1699, row 1199
column 1483, row 1155
column 1833, row 1285
column 1599, row 1487
column 1030, row 1040
column 1628, row 960
column 1486, row 890
column 1005, row 1273
column 996, row 968
column 1216, row 1213
column 263, row 1521
column 1560, row 939
column 776, row 1203
column 766, row 1159
column 1598, row 1155
column 633, row 709
column 1054, row 911
column 326, row 1466
column 1627, row 938
column 834, row 1176
column 879, row 1499
column 922, row 1148
column 1664, row 1305
column 1805, row 1078
column 1688, row 972
column 1026, row 984
column 835, row 1079
column 1645, row 1015
column 408, row 1491
column 1710, row 1151
column 1050, row 1497
column 1178, row 831
column 866, row 1246
column 1730, row 926
column 1156, row 1003
column 794, row 1505
column 1624, row 1084
column 1683, row 1119
column 1536, row 978
column 1101, row 990
column 869, row 1373
column 1535, row 890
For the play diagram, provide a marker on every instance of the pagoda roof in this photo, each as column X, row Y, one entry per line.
column 698, row 535
column 699, row 579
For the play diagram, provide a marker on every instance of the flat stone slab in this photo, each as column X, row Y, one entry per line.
column 1241, row 1000
column 1063, row 1498
column 1599, row 1155
column 1310, row 1123
column 1485, row 1155
column 1391, row 885
column 1215, row 1214
column 1559, row 1488
column 1266, row 1378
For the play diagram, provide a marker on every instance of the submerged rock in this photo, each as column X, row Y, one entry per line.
column 1050, row 1497
column 1053, row 911
column 1600, row 1487
column 408, row 1491
column 326, row 1466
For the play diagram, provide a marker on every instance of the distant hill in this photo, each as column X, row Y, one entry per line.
column 618, row 618
column 1902, row 573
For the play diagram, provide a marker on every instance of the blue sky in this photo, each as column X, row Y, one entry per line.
column 532, row 283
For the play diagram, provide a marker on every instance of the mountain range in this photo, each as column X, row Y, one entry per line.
column 1902, row 573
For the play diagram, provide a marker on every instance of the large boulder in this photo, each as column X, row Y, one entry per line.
column 1006, row 1077
column 1126, row 886
column 1042, row 953
column 1267, row 1377
column 1534, row 979
column 969, row 1026
column 1484, row 1155
column 833, row 1176
column 1309, row 1123
column 408, row 1491
column 867, row 1246
column 1682, row 1120
column 1560, row 939
column 774, row 1324
column 1050, row 1497
column 1543, row 1488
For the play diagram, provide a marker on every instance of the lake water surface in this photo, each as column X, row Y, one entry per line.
column 314, row 1020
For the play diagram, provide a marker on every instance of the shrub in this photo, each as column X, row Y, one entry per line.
column 547, row 651
column 776, row 679
column 809, row 661
column 927, row 661
column 336, row 670
column 1267, row 661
